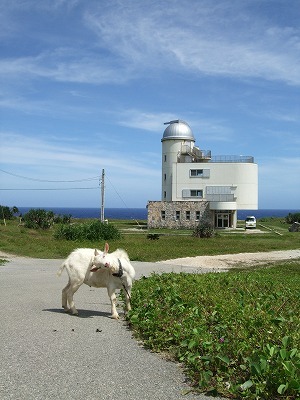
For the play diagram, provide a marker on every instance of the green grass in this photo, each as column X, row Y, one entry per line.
column 237, row 333
column 22, row 241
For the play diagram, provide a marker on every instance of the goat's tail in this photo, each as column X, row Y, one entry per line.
column 59, row 272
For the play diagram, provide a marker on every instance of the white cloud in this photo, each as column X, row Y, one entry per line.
column 215, row 130
column 194, row 39
column 139, row 119
column 60, row 66
column 20, row 151
column 134, row 38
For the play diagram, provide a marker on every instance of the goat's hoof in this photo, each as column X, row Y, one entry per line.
column 115, row 316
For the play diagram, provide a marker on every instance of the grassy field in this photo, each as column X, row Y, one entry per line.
column 19, row 240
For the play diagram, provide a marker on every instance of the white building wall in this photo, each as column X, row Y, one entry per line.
column 241, row 178
column 170, row 150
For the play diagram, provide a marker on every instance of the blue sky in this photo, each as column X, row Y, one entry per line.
column 88, row 85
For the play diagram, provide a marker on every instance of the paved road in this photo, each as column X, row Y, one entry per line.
column 47, row 354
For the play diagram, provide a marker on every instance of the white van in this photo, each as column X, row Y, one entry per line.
column 250, row 222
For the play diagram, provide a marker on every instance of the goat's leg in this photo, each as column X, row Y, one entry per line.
column 127, row 293
column 70, row 293
column 64, row 301
column 113, row 301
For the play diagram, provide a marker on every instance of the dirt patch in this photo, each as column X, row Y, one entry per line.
column 8, row 256
column 227, row 261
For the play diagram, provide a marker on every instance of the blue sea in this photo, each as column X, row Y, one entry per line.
column 141, row 213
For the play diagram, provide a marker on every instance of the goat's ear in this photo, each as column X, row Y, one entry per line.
column 106, row 248
column 96, row 253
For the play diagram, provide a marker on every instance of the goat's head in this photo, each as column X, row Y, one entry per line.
column 103, row 260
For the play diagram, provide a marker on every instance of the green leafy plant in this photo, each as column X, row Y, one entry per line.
column 95, row 230
column 237, row 333
column 275, row 367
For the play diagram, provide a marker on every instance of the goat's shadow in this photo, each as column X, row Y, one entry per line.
column 81, row 313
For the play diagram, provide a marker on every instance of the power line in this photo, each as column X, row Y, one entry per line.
column 121, row 199
column 46, row 180
column 82, row 188
column 59, row 181
column 117, row 192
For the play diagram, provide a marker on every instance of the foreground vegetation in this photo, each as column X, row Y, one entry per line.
column 17, row 239
column 236, row 333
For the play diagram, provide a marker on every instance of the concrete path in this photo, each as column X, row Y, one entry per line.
column 47, row 354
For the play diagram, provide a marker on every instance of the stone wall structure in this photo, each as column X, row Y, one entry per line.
column 177, row 214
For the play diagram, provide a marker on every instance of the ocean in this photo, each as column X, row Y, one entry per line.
column 141, row 213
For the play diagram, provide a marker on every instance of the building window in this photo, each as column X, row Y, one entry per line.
column 196, row 172
column 177, row 215
column 165, row 194
column 197, row 215
column 187, row 215
column 165, row 176
column 165, row 158
column 192, row 193
column 197, row 193
column 163, row 215
column 199, row 173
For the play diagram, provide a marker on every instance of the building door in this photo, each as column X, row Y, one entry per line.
column 223, row 219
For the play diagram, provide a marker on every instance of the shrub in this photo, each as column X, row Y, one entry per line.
column 291, row 218
column 64, row 219
column 205, row 229
column 95, row 230
column 38, row 218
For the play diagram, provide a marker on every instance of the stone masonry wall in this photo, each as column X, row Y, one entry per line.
column 177, row 214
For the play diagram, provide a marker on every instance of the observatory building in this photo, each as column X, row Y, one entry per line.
column 197, row 185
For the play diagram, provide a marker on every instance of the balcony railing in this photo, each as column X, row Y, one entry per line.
column 195, row 153
column 220, row 197
column 232, row 159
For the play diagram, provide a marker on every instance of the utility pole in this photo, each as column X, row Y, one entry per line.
column 102, row 197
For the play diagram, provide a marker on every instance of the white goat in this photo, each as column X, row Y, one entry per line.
column 98, row 269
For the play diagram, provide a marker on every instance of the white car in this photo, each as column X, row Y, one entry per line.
column 250, row 222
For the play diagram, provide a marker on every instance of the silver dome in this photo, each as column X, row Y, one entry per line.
column 178, row 130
